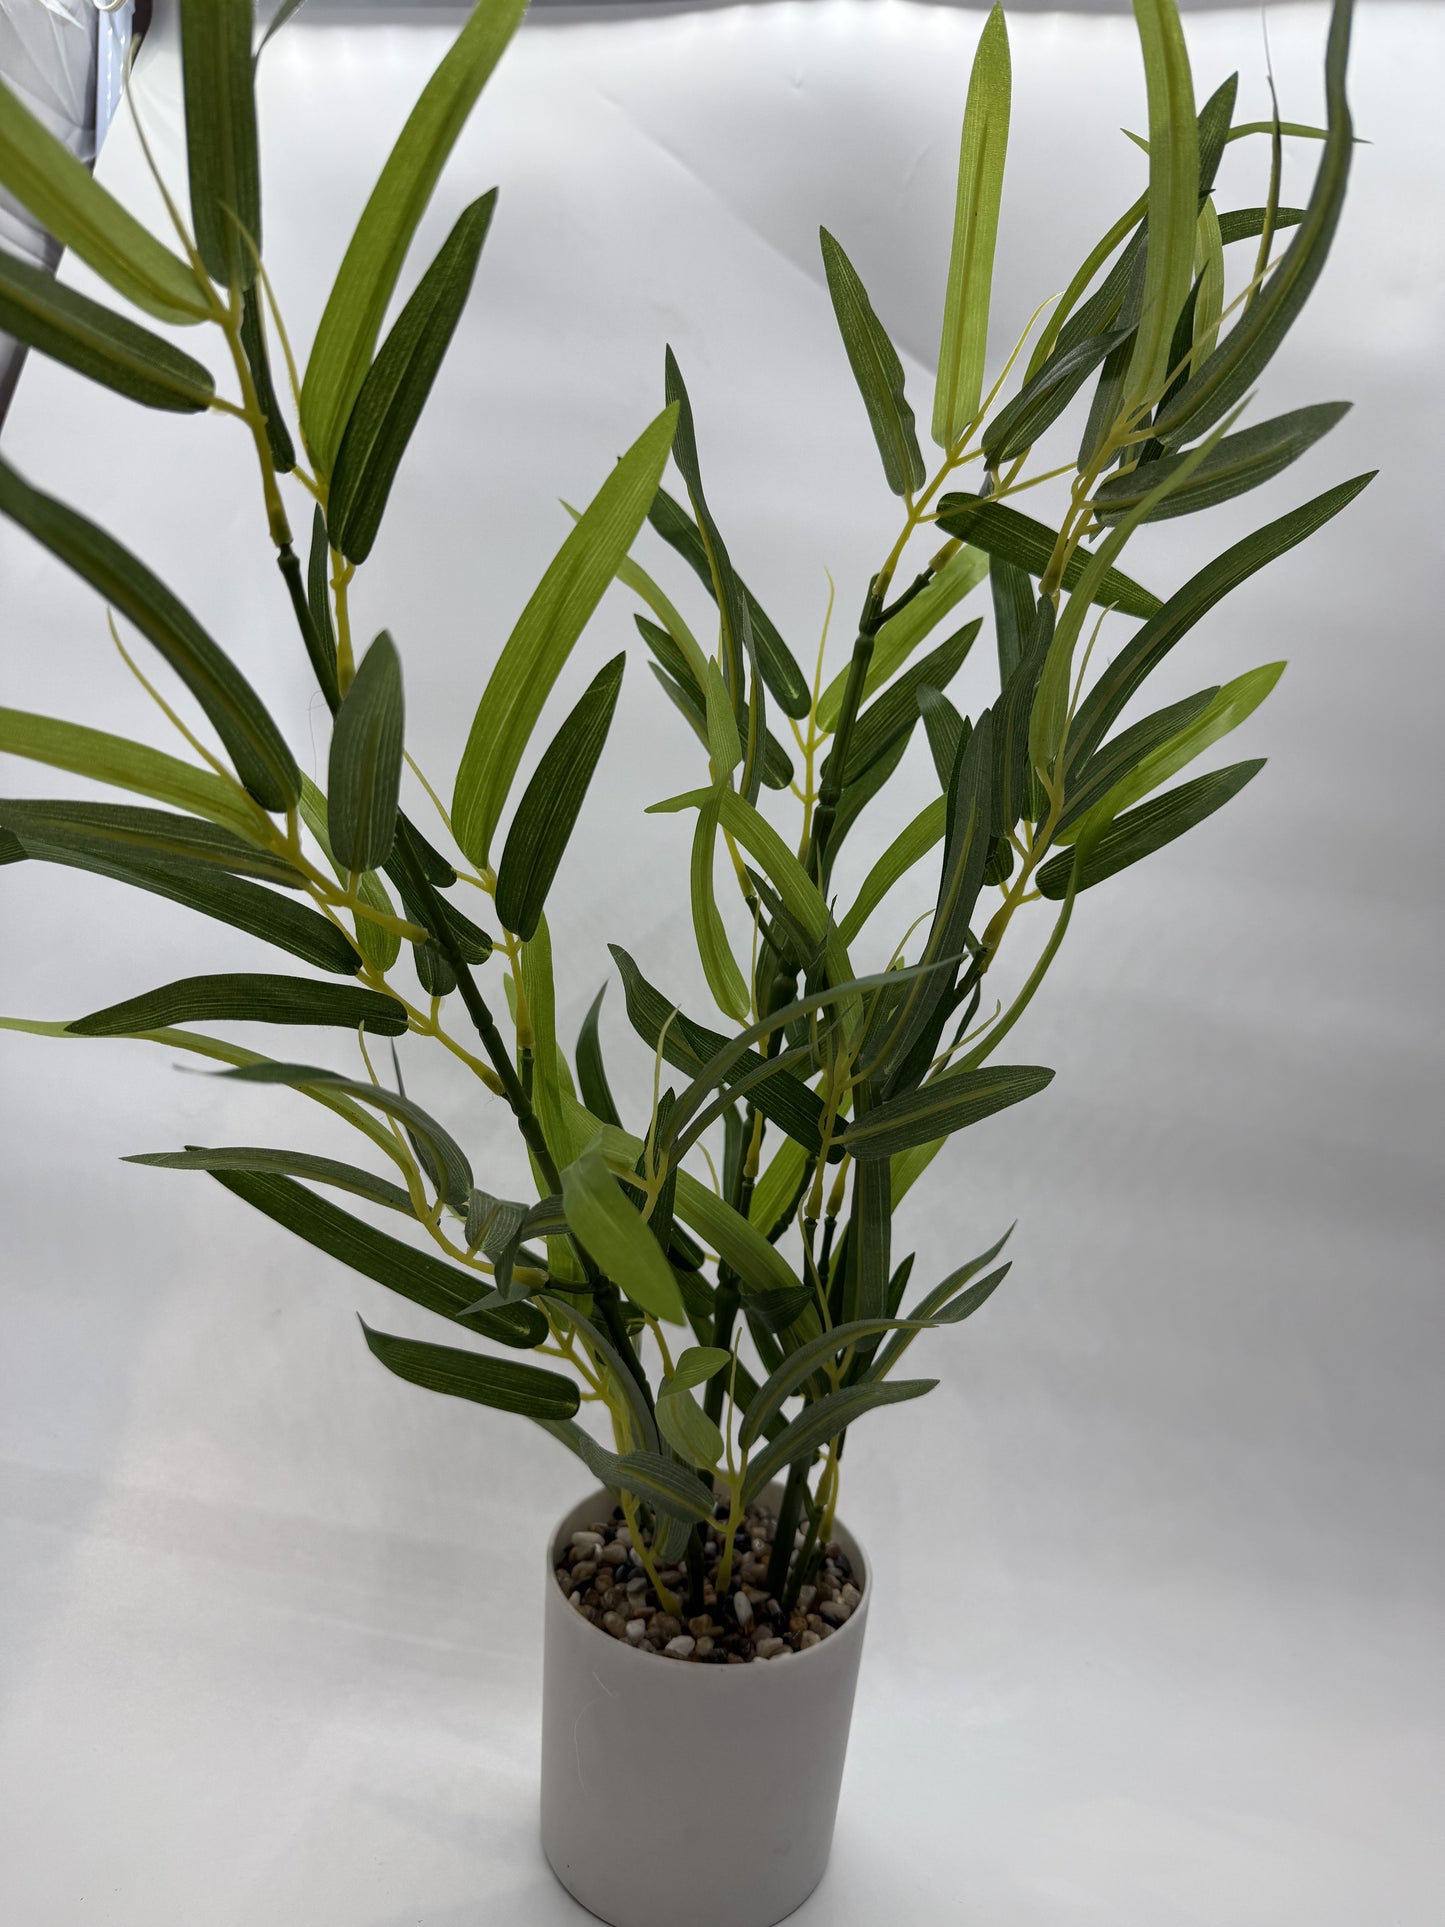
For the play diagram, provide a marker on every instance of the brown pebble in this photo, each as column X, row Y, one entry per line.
column 809, row 1639
column 704, row 1646
column 666, row 1626
column 613, row 1555
column 615, row 1624
column 701, row 1624
column 585, row 1569
column 797, row 1622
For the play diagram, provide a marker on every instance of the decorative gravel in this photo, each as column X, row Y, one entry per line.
column 602, row 1580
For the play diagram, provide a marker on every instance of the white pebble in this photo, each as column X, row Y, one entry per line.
column 587, row 1541
column 681, row 1647
column 635, row 1629
column 835, row 1610
column 575, row 1602
column 613, row 1555
column 770, row 1648
column 806, row 1596
column 810, row 1639
column 851, row 1594
column 743, row 1607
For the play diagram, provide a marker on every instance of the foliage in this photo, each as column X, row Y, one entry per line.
column 734, row 1317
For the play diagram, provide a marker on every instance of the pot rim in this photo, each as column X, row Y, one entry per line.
column 854, row 1624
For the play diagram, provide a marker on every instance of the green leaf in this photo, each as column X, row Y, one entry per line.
column 70, row 204
column 618, row 1240
column 263, row 762
column 1017, row 538
column 825, row 1418
column 799, row 1366
column 591, row 1071
column 947, row 1103
column 1236, row 464
column 724, row 979
column 1245, row 223
column 251, row 998
column 1138, row 833
column 318, row 597
column 643, row 1424
column 776, row 663
column 126, row 765
column 1016, row 427
column 1173, row 196
column 687, row 1428
column 665, row 1485
column 253, row 343
column 364, row 773
column 697, row 1365
column 538, row 648
column 975, row 230
column 1113, row 761
column 363, row 288
column 217, row 70
column 390, row 400
column 287, row 11
column 552, row 802
column 500, row 1382
column 1147, row 648
column 674, row 674
column 725, row 749
column 1012, row 768
column 379, row 946
column 903, row 632
column 122, row 831
column 448, row 1160
column 1232, row 369
column 1209, row 303
column 910, row 846
column 1101, row 306
column 1225, row 711
column 895, row 712
column 429, row 1282
column 876, row 369
column 72, row 329
column 289, row 1164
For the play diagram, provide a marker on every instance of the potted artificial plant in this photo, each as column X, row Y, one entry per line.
column 718, row 1277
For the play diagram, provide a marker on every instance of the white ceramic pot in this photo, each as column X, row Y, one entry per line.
column 676, row 1792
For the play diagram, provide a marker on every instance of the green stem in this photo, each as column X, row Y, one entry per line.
column 831, row 790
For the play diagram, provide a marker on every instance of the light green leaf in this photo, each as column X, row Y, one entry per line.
column 70, row 204
column 697, row 1365
column 724, row 744
column 247, row 997
column 217, row 70
column 1209, row 268
column 876, row 369
column 617, row 1239
column 363, row 288
column 537, row 649
column 910, row 846
column 1173, row 196
column 687, row 1428
column 105, row 347
column 499, row 1382
column 724, row 979
column 1114, row 760
column 975, row 230
column 390, row 400
column 364, row 774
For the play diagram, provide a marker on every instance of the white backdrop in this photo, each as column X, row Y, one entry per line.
column 269, row 1617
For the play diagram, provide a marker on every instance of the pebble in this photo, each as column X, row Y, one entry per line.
column 743, row 1610
column 850, row 1595
column 682, row 1646
column 635, row 1629
column 613, row 1555
column 667, row 1626
column 701, row 1624
column 770, row 1648
column 585, row 1571
column 835, row 1610
column 806, row 1596
column 588, row 1541
column 615, row 1624
column 809, row 1639
column 704, row 1646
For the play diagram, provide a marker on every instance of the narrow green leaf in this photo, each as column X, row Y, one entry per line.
column 643, row 1424
column 429, row 1282
column 363, row 288
column 1225, row 711
column 975, row 230
column 287, row 1164
column 499, row 1382
column 390, row 400
column 217, row 71
column 616, row 1237
column 1235, row 465
column 70, row 204
column 947, row 732
column 799, row 1366
column 825, row 1418
column 909, row 847
column 122, row 831
column 258, row 360
column 318, row 597
column 876, row 369
column 1012, row 768
column 591, row 1071
column 1147, row 648
column 247, row 997
column 1113, row 761
column 674, row 673
column 126, row 765
column 1173, row 195
column 902, row 633
column 666, row 1486
column 263, row 762
column 1040, row 402
column 552, row 802
column 947, row 1103
column 380, row 947
column 1245, row 223
column 1006, row 532
column 725, row 750
column 724, row 979
column 364, row 773
column 80, row 333
column 1066, row 314
column 895, row 712
column 1138, row 833
column 1230, row 372
column 538, row 647
column 1209, row 267
column 1014, row 609
column 776, row 663
column 687, row 1428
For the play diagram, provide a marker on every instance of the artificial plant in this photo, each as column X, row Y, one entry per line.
column 719, row 1274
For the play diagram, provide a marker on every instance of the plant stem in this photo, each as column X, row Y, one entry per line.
column 787, row 1528
column 831, row 790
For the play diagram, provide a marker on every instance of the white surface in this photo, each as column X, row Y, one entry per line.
column 270, row 1643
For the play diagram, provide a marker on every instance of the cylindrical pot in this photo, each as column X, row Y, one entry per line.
column 672, row 1791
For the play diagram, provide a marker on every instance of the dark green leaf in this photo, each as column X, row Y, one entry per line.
column 253, row 341
column 1115, row 759
column 1244, row 223
column 892, row 715
column 825, row 1418
column 396, row 387
column 876, row 369
column 122, row 831
column 869, row 1240
column 551, row 804
column 105, row 347
column 378, row 945
column 776, row 662
column 364, row 773
column 1011, row 766
column 591, row 1071
column 1212, row 132
column 322, row 635
column 669, row 1488
column 263, row 762
column 363, row 288
column 799, row 1366
column 429, row 1282
column 1013, row 613
column 1005, row 532
column 1016, row 427
column 1110, row 403
column 1147, row 648
column 1238, row 463
column 689, row 701
column 289, row 1164
column 251, row 998
column 500, row 1382
column 947, row 1103
column 858, row 794
column 907, row 627
column 217, row 69
column 1139, row 832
